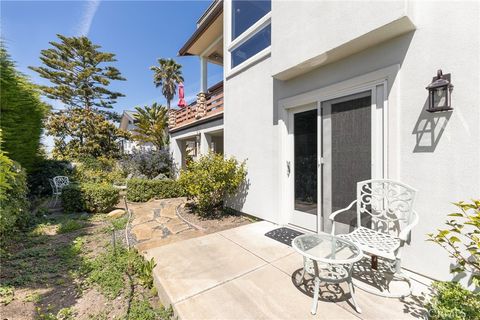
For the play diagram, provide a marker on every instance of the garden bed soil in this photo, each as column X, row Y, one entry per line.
column 212, row 224
column 38, row 280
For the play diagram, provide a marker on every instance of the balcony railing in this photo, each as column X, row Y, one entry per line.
column 192, row 113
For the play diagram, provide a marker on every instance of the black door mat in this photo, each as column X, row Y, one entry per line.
column 284, row 235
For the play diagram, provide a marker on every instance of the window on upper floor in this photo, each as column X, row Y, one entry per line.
column 246, row 13
column 246, row 42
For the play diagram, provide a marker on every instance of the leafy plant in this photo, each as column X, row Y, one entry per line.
column 98, row 170
column 453, row 302
column 6, row 294
column 22, row 113
column 109, row 270
column 141, row 190
column 119, row 223
column 149, row 163
column 461, row 239
column 151, row 125
column 142, row 310
column 89, row 197
column 210, row 180
column 13, row 195
column 70, row 225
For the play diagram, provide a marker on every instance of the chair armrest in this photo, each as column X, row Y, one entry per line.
column 333, row 214
column 406, row 231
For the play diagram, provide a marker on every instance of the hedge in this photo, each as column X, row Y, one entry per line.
column 22, row 113
column 141, row 190
column 13, row 196
column 89, row 197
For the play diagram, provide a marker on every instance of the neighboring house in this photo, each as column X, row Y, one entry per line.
column 127, row 123
column 318, row 95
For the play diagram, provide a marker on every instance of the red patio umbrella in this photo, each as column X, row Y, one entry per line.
column 181, row 96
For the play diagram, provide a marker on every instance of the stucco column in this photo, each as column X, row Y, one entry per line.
column 177, row 148
column 203, row 74
column 205, row 143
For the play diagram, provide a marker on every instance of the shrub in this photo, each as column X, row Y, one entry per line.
column 461, row 239
column 141, row 190
column 22, row 113
column 13, row 195
column 210, row 180
column 47, row 169
column 98, row 170
column 89, row 197
column 453, row 302
column 148, row 163
column 108, row 270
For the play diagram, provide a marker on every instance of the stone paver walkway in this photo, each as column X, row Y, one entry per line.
column 156, row 223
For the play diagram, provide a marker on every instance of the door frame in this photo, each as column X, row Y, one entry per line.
column 301, row 216
column 378, row 83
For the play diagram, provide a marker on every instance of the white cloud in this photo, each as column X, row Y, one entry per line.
column 89, row 12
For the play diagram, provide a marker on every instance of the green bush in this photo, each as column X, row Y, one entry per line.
column 72, row 199
column 141, row 190
column 89, row 197
column 210, row 180
column 453, row 302
column 460, row 239
column 98, row 170
column 22, row 113
column 13, row 195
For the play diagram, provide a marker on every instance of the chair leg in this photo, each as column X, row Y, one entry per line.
column 352, row 293
column 315, row 295
column 302, row 278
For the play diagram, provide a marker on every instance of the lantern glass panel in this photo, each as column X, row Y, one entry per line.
column 440, row 99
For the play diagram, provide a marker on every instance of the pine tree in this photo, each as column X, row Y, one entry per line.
column 79, row 78
column 80, row 75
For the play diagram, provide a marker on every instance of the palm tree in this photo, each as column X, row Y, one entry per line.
column 167, row 75
column 151, row 125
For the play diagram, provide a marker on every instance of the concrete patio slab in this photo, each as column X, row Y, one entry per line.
column 242, row 274
column 252, row 238
column 265, row 293
column 191, row 266
column 373, row 306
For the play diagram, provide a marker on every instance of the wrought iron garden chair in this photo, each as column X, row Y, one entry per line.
column 59, row 182
column 385, row 218
column 55, row 193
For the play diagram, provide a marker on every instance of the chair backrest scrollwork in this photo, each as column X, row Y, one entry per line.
column 61, row 182
column 388, row 203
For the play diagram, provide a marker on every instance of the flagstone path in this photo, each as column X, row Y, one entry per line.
column 156, row 223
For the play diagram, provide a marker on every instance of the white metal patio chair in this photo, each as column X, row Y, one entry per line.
column 386, row 207
column 55, row 193
column 60, row 182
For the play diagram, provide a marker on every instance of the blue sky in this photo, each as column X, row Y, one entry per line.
column 138, row 32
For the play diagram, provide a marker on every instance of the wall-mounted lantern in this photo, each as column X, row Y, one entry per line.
column 439, row 92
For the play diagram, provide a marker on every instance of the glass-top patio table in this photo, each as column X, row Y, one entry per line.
column 327, row 258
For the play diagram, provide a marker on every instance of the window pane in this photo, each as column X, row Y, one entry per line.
column 252, row 46
column 246, row 13
column 305, row 152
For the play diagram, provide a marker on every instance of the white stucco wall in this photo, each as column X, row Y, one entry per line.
column 250, row 135
column 447, row 36
column 302, row 30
